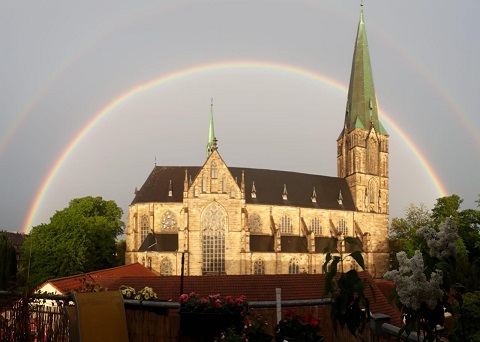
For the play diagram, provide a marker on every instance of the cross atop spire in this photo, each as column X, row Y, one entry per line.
column 212, row 142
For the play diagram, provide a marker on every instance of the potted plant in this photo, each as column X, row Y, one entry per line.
column 207, row 317
column 293, row 328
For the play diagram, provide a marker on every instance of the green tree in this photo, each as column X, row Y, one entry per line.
column 78, row 239
column 8, row 263
column 121, row 248
column 402, row 232
column 468, row 223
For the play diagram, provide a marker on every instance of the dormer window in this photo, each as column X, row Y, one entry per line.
column 314, row 196
column 254, row 191
column 170, row 190
column 285, row 193
column 340, row 198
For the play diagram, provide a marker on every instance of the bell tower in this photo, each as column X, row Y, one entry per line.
column 362, row 147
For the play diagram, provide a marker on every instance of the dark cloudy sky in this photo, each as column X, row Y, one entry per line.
column 63, row 62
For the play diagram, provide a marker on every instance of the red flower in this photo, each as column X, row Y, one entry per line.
column 218, row 303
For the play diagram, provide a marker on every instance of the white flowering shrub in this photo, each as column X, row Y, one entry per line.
column 412, row 284
column 442, row 244
column 146, row 294
column 127, row 292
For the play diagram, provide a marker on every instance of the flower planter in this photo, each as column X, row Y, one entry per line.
column 204, row 325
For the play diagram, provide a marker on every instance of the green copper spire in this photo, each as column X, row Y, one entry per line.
column 211, row 145
column 362, row 110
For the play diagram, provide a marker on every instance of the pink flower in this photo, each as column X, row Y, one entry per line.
column 218, row 303
column 183, row 298
column 204, row 301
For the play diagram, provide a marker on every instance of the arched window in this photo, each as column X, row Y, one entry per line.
column 166, row 267
column 144, row 227
column 259, row 267
column 214, row 170
column 255, row 223
column 342, row 227
column 168, row 221
column 371, row 192
column 224, row 184
column 286, row 224
column 214, row 222
column 293, row 266
column 204, row 183
column 372, row 156
column 315, row 226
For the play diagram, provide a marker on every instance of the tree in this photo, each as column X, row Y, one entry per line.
column 78, row 239
column 402, row 232
column 8, row 263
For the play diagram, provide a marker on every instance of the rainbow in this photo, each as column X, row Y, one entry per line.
column 117, row 102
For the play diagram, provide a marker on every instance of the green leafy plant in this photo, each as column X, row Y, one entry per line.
column 349, row 306
column 301, row 328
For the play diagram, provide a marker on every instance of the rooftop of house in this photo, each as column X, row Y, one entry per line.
column 81, row 281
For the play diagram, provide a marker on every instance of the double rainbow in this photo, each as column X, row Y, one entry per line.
column 117, row 102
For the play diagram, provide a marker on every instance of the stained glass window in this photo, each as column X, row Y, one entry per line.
column 259, row 267
column 286, row 224
column 342, row 227
column 315, row 226
column 144, row 227
column 255, row 223
column 166, row 267
column 293, row 266
column 168, row 221
column 213, row 226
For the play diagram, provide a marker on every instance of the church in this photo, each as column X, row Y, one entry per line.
column 215, row 219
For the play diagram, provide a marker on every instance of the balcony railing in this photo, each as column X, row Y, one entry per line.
column 42, row 317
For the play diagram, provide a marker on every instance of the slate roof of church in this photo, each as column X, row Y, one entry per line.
column 269, row 185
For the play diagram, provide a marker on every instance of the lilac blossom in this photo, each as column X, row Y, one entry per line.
column 412, row 285
column 441, row 244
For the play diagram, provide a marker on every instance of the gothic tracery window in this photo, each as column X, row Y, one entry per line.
column 214, row 170
column 372, row 154
column 166, row 267
column 371, row 192
column 144, row 227
column 168, row 221
column 259, row 267
column 342, row 227
column 286, row 224
column 214, row 222
column 255, row 223
column 315, row 226
column 293, row 266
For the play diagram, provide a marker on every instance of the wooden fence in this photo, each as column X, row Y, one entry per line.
column 32, row 320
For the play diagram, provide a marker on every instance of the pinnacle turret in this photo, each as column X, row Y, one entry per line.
column 212, row 142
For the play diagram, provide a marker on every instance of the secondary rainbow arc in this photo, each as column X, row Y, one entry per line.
column 201, row 69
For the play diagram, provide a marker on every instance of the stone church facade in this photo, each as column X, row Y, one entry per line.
column 215, row 219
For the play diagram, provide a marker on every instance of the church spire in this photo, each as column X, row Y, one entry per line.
column 211, row 145
column 362, row 110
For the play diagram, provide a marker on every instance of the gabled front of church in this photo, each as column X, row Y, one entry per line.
column 216, row 219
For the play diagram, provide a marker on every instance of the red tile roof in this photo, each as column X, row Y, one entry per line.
column 254, row 287
column 77, row 282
